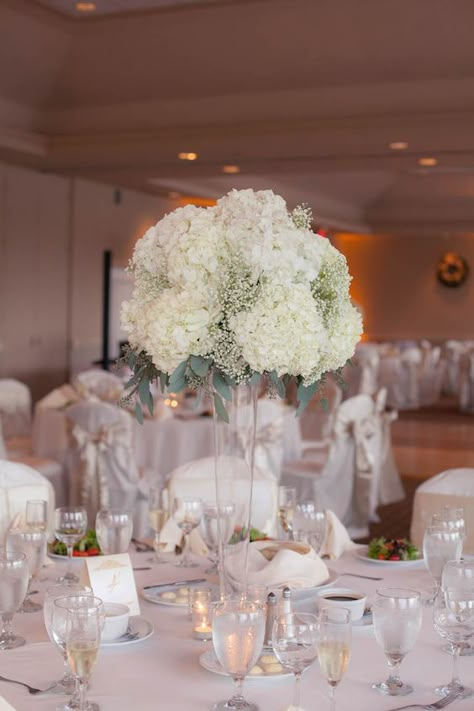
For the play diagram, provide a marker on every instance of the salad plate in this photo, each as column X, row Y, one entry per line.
column 173, row 595
column 85, row 548
column 139, row 629
column 267, row 666
column 363, row 554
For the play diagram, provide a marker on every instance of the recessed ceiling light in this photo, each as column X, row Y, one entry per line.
column 85, row 6
column 230, row 169
column 398, row 145
column 187, row 156
column 427, row 162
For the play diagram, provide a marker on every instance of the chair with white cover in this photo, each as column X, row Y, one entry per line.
column 390, row 484
column 454, row 488
column 431, row 376
column 18, row 484
column 101, row 464
column 197, row 479
column 101, row 384
column 362, row 376
column 15, row 414
column 466, row 382
column 316, row 421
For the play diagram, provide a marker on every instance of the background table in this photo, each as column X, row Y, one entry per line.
column 163, row 672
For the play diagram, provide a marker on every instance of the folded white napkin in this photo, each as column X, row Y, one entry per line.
column 336, row 539
column 5, row 706
column 171, row 535
column 287, row 567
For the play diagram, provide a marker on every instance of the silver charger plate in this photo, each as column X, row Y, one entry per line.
column 139, row 629
column 208, row 661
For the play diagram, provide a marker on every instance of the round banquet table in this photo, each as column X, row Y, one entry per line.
column 163, row 672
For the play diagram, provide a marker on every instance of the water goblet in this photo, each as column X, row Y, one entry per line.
column 309, row 525
column 114, row 530
column 66, row 684
column 397, row 615
column 286, row 508
column 158, row 515
column 454, row 572
column 295, row 645
column 334, row 647
column 238, row 630
column 32, row 543
column 453, row 618
column 440, row 544
column 14, row 576
column 36, row 514
column 217, row 525
column 187, row 512
column 70, row 525
column 83, row 631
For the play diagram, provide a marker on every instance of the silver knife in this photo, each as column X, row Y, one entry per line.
column 175, row 584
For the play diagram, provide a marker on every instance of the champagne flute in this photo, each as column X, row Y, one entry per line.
column 70, row 525
column 397, row 615
column 187, row 512
column 32, row 544
column 238, row 630
column 36, row 514
column 295, row 644
column 453, row 618
column 66, row 684
column 218, row 525
column 114, row 530
column 13, row 585
column 334, row 648
column 286, row 508
column 440, row 544
column 158, row 515
column 83, row 630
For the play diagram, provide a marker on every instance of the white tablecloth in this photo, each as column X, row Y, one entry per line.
column 163, row 672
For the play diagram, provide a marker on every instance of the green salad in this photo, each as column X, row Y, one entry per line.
column 392, row 549
column 87, row 546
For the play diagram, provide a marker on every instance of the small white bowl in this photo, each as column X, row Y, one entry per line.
column 116, row 621
column 352, row 600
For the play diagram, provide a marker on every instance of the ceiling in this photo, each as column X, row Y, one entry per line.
column 305, row 96
column 113, row 7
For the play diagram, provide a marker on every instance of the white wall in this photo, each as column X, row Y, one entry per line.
column 53, row 232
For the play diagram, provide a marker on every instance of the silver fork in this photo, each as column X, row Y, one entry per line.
column 433, row 707
column 31, row 689
column 355, row 575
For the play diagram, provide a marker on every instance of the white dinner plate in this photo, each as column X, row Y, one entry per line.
column 138, row 629
column 362, row 554
column 304, row 593
column 56, row 556
column 162, row 595
column 208, row 660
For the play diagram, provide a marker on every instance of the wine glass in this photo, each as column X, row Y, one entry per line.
column 286, row 508
column 83, row 630
column 66, row 685
column 114, row 530
column 32, row 544
column 59, row 628
column 157, row 516
column 440, row 544
column 187, row 512
column 453, row 518
column 453, row 617
column 397, row 615
column 218, row 526
column 36, row 514
column 334, row 648
column 14, row 576
column 455, row 572
column 238, row 629
column 295, row 644
column 70, row 525
column 309, row 525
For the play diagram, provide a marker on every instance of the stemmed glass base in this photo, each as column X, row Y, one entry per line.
column 237, row 702
column 74, row 706
column 447, row 689
column 394, row 686
column 11, row 641
column 466, row 651
column 30, row 606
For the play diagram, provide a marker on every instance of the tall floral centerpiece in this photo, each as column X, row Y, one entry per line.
column 230, row 294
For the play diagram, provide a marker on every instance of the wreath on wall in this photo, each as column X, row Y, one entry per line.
column 452, row 270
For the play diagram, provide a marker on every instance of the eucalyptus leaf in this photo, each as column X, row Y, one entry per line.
column 163, row 381
column 255, row 379
column 175, row 386
column 306, row 392
column 200, row 365
column 143, row 390
column 221, row 386
column 177, row 374
column 220, row 408
column 277, row 383
column 325, row 404
column 150, row 403
column 139, row 413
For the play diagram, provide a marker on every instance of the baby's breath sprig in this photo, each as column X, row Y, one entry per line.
column 302, row 216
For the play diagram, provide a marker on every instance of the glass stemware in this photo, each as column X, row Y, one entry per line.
column 453, row 618
column 334, row 648
column 36, row 514
column 83, row 631
column 309, row 525
column 70, row 525
column 114, row 530
column 440, row 544
column 238, row 629
column 66, row 684
column 187, row 512
column 217, row 520
column 286, row 508
column 454, row 572
column 295, row 644
column 158, row 515
column 397, row 615
column 14, row 576
column 32, row 544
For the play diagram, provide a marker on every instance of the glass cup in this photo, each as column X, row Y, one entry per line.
column 187, row 512
column 70, row 525
column 14, row 575
column 217, row 520
column 114, row 530
column 83, row 631
column 238, row 630
column 397, row 615
column 453, row 618
column 158, row 515
column 286, row 508
column 334, row 648
column 440, row 544
column 36, row 515
column 32, row 543
column 295, row 645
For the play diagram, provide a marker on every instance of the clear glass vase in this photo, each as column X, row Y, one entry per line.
column 234, row 446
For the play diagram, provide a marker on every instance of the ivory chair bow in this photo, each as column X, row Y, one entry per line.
column 466, row 382
column 390, row 485
column 99, row 384
column 15, row 408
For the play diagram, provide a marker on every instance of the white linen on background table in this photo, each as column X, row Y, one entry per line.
column 163, row 672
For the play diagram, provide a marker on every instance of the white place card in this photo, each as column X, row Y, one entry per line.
column 111, row 578
column 5, row 706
